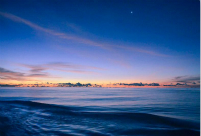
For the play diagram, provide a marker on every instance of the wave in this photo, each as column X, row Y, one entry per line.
column 41, row 118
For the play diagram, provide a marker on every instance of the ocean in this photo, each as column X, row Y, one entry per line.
column 99, row 111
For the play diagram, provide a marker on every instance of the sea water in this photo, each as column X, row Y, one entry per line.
column 99, row 111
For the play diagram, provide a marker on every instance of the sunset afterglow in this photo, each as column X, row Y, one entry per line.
column 90, row 43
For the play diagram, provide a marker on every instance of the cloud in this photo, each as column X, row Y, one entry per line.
column 187, row 79
column 77, row 71
column 38, row 75
column 33, row 68
column 59, row 66
column 181, row 84
column 75, row 38
column 179, row 77
column 138, row 84
column 49, row 31
column 6, row 74
column 71, row 66
column 40, row 71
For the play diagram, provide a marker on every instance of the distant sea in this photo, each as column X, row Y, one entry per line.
column 99, row 111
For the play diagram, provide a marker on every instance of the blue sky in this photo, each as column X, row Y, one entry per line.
column 99, row 41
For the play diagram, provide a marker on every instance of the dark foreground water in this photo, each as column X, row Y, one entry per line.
column 99, row 111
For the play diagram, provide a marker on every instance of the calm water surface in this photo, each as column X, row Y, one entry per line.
column 99, row 111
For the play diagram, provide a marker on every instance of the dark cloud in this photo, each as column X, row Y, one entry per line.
column 75, row 85
column 180, row 84
column 169, row 85
column 138, row 84
column 187, row 79
column 179, row 77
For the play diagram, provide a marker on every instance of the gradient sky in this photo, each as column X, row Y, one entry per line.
column 100, row 41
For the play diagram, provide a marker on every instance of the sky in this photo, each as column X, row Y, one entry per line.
column 100, row 41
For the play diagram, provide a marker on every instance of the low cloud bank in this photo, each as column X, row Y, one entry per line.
column 138, row 84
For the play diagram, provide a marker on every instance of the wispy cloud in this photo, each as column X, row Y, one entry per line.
column 6, row 74
column 59, row 66
column 72, row 66
column 86, row 41
column 33, row 68
column 49, row 31
column 40, row 71
column 77, row 71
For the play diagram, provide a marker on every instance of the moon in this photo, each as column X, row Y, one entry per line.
column 131, row 12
